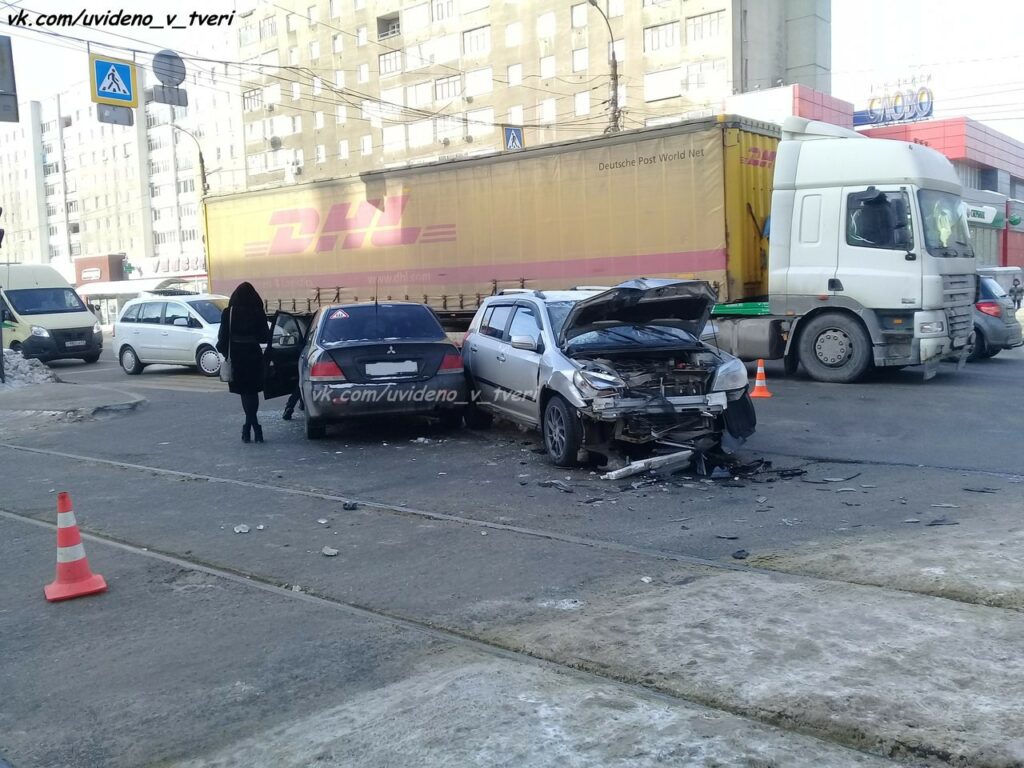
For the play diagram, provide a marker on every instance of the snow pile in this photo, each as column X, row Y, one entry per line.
column 23, row 373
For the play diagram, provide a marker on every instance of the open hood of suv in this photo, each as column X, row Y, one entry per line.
column 684, row 304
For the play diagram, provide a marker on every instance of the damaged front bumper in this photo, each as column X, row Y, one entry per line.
column 614, row 408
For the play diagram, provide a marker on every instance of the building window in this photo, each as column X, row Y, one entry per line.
column 476, row 42
column 515, row 115
column 358, row 5
column 339, row 78
column 343, row 149
column 619, row 49
column 419, row 95
column 442, row 9
column 394, row 138
column 291, row 23
column 515, row 74
column 705, row 74
column 579, row 59
column 335, row 9
column 337, row 45
column 318, row 86
column 479, row 81
column 547, row 67
column 616, row 8
column 293, row 57
column 321, row 153
column 366, row 145
column 546, row 25
column 313, row 14
column 363, row 73
column 314, row 50
column 184, row 187
column 480, row 122
column 707, row 26
column 268, row 28
column 547, row 111
column 72, row 206
column 296, row 91
column 361, row 36
column 189, row 235
column 579, row 15
column 661, row 37
column 52, row 230
column 582, row 103
column 514, row 34
column 251, row 100
column 390, row 62
column 318, row 120
column 665, row 84
column 341, row 115
column 447, row 88
column 389, row 26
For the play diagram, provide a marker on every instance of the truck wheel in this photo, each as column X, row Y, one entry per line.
column 562, row 434
column 93, row 358
column 980, row 349
column 835, row 348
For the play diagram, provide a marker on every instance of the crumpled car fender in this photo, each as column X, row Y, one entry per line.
column 561, row 382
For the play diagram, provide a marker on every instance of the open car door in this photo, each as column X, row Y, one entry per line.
column 281, row 360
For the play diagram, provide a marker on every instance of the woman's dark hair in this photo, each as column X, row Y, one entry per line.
column 247, row 311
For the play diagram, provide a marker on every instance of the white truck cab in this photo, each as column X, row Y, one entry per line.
column 869, row 251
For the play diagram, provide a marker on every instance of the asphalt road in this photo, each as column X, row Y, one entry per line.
column 204, row 643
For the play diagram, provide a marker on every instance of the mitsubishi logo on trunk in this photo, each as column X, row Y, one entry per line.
column 391, row 350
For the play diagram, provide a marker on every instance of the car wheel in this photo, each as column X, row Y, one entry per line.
column 16, row 347
column 208, row 361
column 562, row 434
column 130, row 362
column 90, row 359
column 835, row 348
column 980, row 349
column 315, row 430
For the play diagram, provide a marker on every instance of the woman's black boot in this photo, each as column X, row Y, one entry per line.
column 258, row 433
column 247, row 434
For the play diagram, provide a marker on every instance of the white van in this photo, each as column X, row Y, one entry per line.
column 43, row 317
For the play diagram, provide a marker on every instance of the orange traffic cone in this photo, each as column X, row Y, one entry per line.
column 74, row 579
column 760, row 383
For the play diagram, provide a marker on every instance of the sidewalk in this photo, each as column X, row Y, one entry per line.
column 76, row 399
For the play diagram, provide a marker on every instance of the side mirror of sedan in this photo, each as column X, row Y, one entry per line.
column 524, row 342
column 181, row 322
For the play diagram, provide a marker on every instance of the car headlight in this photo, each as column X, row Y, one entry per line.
column 936, row 326
column 731, row 374
column 97, row 330
column 38, row 330
column 597, row 384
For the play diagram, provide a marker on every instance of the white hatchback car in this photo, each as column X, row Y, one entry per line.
column 170, row 330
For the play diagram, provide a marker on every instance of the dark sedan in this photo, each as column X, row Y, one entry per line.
column 361, row 360
column 995, row 323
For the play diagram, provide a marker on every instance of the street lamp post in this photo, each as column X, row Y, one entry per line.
column 202, row 163
column 615, row 119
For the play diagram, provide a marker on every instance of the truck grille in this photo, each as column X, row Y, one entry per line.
column 958, row 296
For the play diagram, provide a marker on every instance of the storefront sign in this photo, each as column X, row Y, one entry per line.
column 904, row 102
column 93, row 273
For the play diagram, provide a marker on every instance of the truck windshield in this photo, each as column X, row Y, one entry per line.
column 945, row 225
column 45, row 301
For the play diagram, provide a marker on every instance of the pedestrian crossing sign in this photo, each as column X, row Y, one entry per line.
column 113, row 81
column 513, row 138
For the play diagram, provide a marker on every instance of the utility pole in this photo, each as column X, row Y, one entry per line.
column 615, row 118
column 202, row 163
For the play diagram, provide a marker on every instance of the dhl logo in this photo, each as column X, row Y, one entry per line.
column 759, row 157
column 370, row 223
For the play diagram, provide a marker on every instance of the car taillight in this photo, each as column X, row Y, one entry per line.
column 452, row 363
column 993, row 308
column 326, row 370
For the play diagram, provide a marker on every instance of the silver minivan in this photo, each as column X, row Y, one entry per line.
column 600, row 369
column 170, row 330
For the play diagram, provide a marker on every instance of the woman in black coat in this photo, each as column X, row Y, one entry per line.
column 243, row 327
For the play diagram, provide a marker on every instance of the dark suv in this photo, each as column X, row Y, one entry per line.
column 995, row 324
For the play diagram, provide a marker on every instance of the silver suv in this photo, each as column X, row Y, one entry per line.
column 598, row 369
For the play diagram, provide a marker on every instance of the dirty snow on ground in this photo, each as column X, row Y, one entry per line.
column 464, row 710
column 901, row 675
column 21, row 372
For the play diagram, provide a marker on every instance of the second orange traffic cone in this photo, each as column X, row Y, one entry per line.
column 74, row 577
column 760, row 383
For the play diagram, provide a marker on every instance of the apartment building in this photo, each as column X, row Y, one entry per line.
column 335, row 87
column 72, row 186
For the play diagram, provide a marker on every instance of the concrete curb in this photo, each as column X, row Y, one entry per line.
column 128, row 404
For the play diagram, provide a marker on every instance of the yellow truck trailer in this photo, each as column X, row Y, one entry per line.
column 687, row 200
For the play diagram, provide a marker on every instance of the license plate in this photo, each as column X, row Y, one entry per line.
column 959, row 341
column 74, row 343
column 390, row 369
